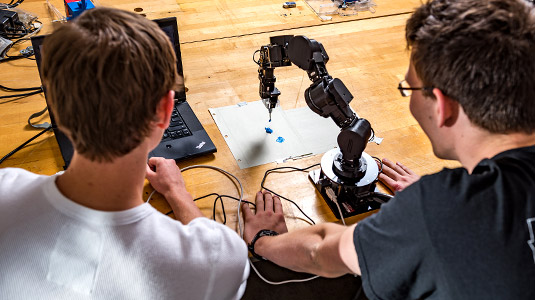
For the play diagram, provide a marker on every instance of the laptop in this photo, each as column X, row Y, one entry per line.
column 185, row 136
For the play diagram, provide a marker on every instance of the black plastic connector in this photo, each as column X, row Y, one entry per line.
column 9, row 20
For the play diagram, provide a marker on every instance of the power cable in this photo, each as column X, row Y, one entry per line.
column 24, row 144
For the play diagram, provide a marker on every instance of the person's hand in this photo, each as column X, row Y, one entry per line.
column 268, row 215
column 166, row 178
column 397, row 176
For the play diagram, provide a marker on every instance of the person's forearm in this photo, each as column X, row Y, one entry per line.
column 183, row 206
column 312, row 250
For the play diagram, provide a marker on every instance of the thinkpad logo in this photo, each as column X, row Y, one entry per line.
column 531, row 242
column 200, row 145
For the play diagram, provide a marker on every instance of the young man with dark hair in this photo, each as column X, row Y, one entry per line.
column 87, row 233
column 466, row 233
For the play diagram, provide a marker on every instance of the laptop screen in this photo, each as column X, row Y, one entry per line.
column 169, row 26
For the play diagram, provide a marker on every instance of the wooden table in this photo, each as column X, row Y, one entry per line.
column 218, row 39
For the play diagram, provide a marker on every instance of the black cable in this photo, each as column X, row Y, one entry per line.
column 238, row 199
column 28, row 54
column 5, row 88
column 205, row 196
column 282, row 197
column 222, row 209
column 8, row 57
column 11, row 4
column 256, row 62
column 381, row 171
column 14, row 34
column 381, row 164
column 11, row 58
column 14, row 3
column 220, row 198
column 23, row 29
column 387, row 188
column 215, row 203
column 22, row 95
column 24, row 144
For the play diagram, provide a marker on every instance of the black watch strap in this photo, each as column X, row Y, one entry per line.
column 261, row 233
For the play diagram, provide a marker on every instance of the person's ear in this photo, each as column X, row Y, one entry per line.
column 446, row 110
column 165, row 109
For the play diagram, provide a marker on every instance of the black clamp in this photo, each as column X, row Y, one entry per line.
column 261, row 233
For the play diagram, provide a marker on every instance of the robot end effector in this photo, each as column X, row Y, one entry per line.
column 272, row 56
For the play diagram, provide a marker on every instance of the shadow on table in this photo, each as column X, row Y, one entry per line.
column 341, row 288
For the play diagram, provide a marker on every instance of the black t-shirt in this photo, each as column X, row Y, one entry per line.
column 454, row 235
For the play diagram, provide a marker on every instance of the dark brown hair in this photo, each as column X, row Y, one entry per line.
column 105, row 74
column 480, row 53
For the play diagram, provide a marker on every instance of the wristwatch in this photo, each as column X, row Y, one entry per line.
column 261, row 233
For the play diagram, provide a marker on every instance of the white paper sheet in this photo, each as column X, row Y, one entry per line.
column 302, row 131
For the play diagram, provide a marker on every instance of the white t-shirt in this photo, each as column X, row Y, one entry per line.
column 54, row 248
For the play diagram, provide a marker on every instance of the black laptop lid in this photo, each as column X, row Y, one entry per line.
column 64, row 143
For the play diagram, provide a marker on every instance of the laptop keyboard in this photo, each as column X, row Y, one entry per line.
column 177, row 128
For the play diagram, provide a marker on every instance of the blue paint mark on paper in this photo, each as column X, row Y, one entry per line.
column 269, row 130
column 280, row 139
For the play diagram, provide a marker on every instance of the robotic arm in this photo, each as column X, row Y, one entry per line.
column 328, row 97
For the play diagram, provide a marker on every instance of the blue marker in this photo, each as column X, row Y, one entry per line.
column 280, row 139
column 269, row 130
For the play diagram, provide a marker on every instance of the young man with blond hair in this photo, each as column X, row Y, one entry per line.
column 87, row 233
column 465, row 233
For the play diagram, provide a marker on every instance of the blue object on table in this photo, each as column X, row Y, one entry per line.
column 289, row 4
column 74, row 8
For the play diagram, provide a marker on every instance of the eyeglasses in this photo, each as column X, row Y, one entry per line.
column 406, row 90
